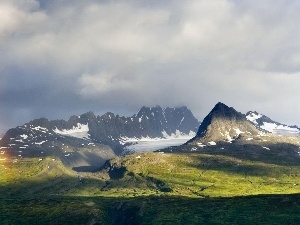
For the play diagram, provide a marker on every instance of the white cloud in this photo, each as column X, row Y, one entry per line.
column 97, row 84
column 19, row 16
column 170, row 53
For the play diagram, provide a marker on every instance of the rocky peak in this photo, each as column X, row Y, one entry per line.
column 107, row 116
column 224, row 123
column 223, row 111
column 149, row 111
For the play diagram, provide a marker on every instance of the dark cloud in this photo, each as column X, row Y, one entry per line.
column 59, row 59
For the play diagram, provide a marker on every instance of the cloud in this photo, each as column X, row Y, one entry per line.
column 103, row 83
column 59, row 58
column 15, row 15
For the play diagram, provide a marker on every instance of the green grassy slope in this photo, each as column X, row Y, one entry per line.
column 204, row 175
column 152, row 188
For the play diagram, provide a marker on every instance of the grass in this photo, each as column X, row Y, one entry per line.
column 151, row 188
column 193, row 175
column 162, row 210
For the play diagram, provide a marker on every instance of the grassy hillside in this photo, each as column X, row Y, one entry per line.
column 200, row 175
column 152, row 188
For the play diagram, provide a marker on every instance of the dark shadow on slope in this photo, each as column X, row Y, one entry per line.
column 278, row 154
column 206, row 162
column 153, row 210
column 91, row 169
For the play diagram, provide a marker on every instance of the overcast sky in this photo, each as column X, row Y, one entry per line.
column 60, row 58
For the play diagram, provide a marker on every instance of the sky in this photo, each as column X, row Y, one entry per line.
column 60, row 58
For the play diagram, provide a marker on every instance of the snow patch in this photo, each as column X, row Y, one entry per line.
column 39, row 128
column 201, row 145
column 181, row 121
column 148, row 144
column 178, row 134
column 238, row 131
column 280, row 129
column 39, row 143
column 229, row 139
column 24, row 136
column 212, row 143
column 253, row 117
column 80, row 131
column 194, row 149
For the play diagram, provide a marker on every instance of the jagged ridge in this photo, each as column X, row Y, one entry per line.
column 89, row 130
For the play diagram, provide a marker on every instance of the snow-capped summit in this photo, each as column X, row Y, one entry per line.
column 267, row 124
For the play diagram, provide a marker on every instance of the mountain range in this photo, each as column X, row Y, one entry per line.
column 85, row 142
column 88, row 140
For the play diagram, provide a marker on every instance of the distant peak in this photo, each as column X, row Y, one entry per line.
column 147, row 109
column 88, row 114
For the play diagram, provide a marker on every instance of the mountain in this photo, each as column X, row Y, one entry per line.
column 89, row 140
column 225, row 131
column 223, row 123
column 265, row 123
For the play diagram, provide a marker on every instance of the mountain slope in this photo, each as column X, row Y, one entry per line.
column 223, row 123
column 151, row 188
